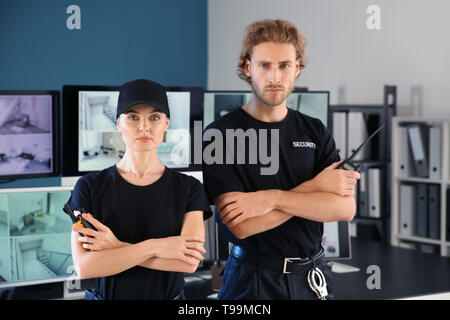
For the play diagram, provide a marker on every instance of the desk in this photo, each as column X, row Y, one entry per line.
column 404, row 273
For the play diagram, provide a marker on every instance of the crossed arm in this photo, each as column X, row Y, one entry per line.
column 327, row 197
column 110, row 256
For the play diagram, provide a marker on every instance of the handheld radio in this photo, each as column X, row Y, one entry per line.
column 78, row 220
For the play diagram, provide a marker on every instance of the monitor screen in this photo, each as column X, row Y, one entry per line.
column 219, row 103
column 312, row 103
column 29, row 134
column 94, row 143
column 34, row 236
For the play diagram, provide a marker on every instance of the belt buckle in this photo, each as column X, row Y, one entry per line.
column 286, row 260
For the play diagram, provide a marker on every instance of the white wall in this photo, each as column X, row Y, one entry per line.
column 411, row 50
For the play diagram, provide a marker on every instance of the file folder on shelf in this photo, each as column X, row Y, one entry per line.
column 363, row 195
column 419, row 150
column 407, row 209
column 434, row 212
column 356, row 135
column 435, row 143
column 374, row 193
column 448, row 215
column 340, row 133
column 405, row 156
column 422, row 211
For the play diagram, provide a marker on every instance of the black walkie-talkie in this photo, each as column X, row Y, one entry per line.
column 78, row 220
column 347, row 164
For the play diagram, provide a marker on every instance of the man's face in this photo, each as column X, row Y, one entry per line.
column 273, row 70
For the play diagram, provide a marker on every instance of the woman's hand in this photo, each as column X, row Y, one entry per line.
column 187, row 248
column 101, row 239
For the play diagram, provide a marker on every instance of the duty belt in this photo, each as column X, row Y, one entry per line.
column 284, row 265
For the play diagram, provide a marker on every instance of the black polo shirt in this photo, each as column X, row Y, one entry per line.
column 306, row 147
column 137, row 213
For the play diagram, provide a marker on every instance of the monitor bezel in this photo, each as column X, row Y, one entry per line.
column 56, row 122
column 69, row 155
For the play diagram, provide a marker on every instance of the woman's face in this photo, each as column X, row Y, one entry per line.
column 142, row 127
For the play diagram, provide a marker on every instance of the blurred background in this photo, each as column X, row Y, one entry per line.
column 375, row 61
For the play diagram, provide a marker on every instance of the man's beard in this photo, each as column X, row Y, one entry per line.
column 272, row 101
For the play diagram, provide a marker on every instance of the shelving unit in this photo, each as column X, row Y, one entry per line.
column 380, row 155
column 440, row 245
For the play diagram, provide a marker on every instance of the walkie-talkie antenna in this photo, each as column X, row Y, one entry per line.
column 347, row 163
column 355, row 153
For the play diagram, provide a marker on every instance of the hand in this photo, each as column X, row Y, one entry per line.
column 189, row 249
column 339, row 181
column 101, row 239
column 235, row 207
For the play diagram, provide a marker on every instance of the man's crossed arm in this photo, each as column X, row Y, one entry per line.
column 326, row 197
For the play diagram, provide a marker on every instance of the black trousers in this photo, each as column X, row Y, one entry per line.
column 243, row 280
column 95, row 295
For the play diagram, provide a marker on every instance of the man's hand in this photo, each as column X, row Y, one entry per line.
column 236, row 207
column 338, row 181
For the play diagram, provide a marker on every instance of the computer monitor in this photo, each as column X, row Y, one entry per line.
column 29, row 134
column 336, row 240
column 91, row 141
column 219, row 103
column 336, row 236
column 34, row 236
column 312, row 103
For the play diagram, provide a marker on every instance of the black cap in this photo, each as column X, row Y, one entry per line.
column 142, row 91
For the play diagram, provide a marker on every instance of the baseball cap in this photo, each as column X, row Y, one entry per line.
column 142, row 91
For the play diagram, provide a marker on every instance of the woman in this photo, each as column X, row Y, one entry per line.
column 149, row 218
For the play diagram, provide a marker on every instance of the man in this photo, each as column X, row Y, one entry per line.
column 269, row 218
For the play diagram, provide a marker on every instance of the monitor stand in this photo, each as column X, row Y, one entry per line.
column 338, row 267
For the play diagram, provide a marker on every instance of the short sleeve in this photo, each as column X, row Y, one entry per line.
column 81, row 195
column 220, row 179
column 327, row 152
column 197, row 199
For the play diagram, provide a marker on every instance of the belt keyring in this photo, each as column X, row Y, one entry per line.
column 317, row 283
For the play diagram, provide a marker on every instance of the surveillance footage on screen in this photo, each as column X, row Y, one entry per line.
column 25, row 134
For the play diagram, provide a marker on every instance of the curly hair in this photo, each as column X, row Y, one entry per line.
column 268, row 30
